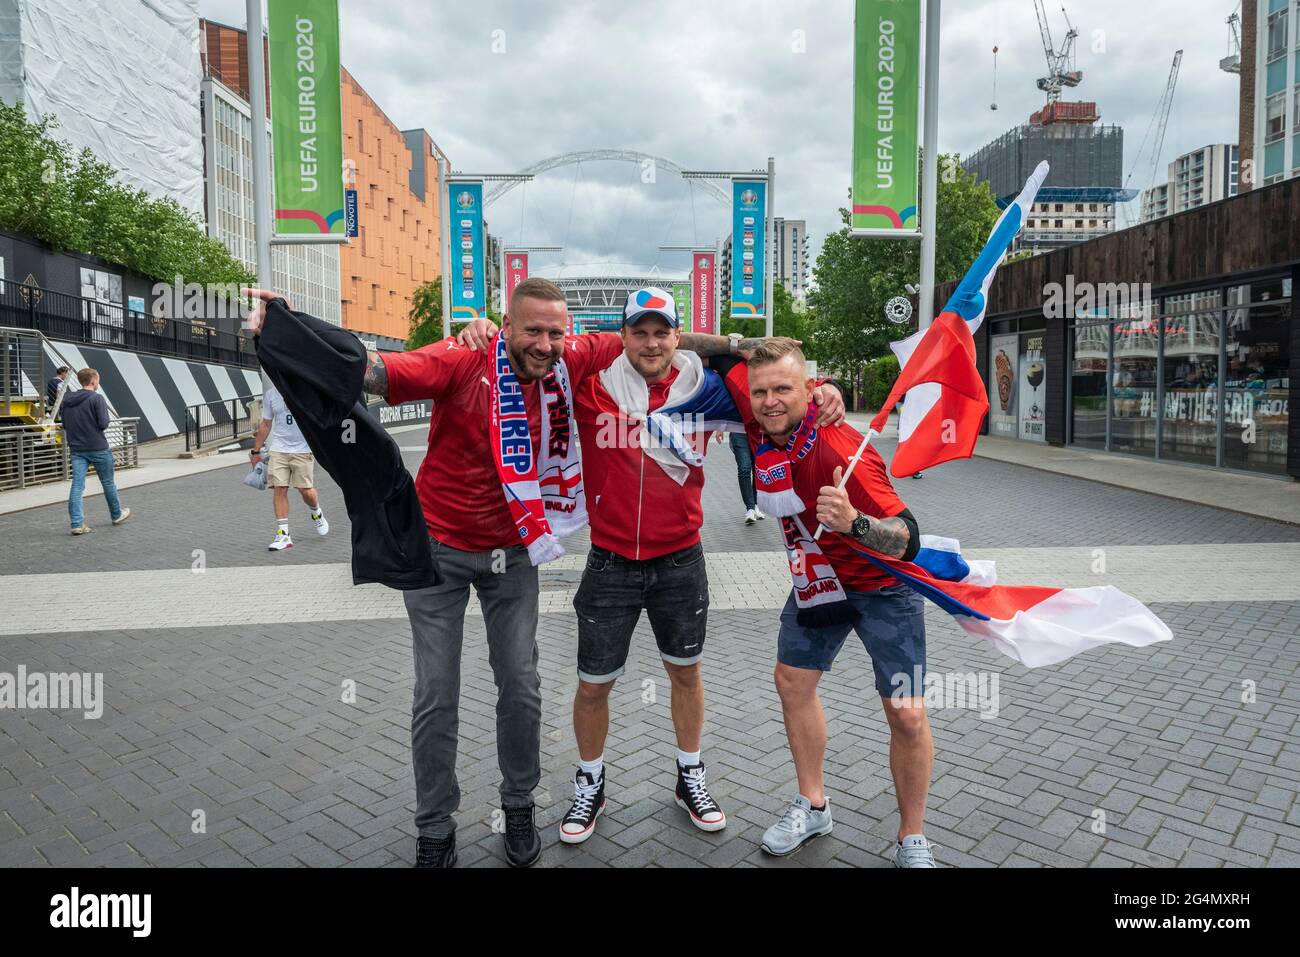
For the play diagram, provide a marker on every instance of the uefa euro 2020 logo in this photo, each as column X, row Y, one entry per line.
column 702, row 264
column 748, row 197
column 465, row 200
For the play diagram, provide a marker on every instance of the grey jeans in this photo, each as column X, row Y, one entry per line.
column 506, row 583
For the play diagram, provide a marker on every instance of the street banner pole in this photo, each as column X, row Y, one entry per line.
column 445, row 228
column 930, row 172
column 769, row 250
column 261, row 155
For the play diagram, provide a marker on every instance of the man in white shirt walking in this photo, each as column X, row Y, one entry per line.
column 290, row 463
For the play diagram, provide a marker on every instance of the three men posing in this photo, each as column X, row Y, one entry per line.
column 485, row 498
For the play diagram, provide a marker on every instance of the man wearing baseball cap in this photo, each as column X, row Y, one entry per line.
column 643, row 504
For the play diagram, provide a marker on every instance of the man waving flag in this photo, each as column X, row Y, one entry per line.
column 946, row 398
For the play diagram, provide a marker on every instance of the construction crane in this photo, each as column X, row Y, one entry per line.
column 1232, row 62
column 1159, row 123
column 1060, row 63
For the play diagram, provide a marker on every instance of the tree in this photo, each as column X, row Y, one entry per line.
column 425, row 316
column 855, row 277
column 75, row 203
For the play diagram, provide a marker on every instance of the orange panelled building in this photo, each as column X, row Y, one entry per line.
column 396, row 179
column 397, row 214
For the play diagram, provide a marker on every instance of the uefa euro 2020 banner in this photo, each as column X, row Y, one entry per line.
column 468, row 284
column 306, row 116
column 748, row 222
column 886, row 97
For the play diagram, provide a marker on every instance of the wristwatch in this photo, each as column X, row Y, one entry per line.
column 860, row 527
column 735, row 338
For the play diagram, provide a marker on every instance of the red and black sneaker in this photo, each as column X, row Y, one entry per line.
column 588, row 802
column 694, row 798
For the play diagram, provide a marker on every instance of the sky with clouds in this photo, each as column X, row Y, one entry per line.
column 503, row 84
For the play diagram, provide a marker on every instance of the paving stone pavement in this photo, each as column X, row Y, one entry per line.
column 1119, row 757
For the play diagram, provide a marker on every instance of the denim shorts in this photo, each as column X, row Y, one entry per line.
column 891, row 623
column 672, row 589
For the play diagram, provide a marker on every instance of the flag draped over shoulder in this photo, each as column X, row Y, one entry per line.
column 946, row 399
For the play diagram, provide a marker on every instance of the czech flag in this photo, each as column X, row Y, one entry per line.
column 1033, row 624
column 946, row 399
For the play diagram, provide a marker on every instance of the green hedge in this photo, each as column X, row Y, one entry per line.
column 75, row 203
column 878, row 377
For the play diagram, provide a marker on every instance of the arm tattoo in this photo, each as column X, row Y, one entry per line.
column 889, row 536
column 375, row 381
column 705, row 345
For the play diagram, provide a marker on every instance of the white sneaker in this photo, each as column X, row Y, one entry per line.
column 280, row 542
column 751, row 517
column 759, row 514
column 322, row 525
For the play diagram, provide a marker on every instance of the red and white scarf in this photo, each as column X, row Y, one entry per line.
column 817, row 589
column 543, row 491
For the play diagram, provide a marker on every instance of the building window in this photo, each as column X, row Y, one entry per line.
column 1276, row 43
column 1275, row 117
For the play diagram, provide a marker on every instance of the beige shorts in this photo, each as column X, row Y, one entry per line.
column 291, row 468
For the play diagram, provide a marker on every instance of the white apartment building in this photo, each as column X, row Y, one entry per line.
column 1205, row 175
column 790, row 254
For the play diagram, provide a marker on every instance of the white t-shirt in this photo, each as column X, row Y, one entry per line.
column 285, row 435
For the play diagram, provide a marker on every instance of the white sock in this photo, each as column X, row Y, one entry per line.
column 594, row 767
column 282, row 527
column 687, row 759
column 316, row 513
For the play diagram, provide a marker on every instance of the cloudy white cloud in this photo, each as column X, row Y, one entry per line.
column 725, row 84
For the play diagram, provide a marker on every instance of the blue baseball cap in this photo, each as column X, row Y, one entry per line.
column 650, row 301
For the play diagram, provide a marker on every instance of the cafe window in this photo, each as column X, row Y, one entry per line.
column 1088, row 369
column 1255, row 388
column 1204, row 378
column 1133, row 387
column 1191, row 387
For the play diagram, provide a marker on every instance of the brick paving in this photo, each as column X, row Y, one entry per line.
column 245, row 723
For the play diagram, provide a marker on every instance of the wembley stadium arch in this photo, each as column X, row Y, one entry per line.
column 596, row 291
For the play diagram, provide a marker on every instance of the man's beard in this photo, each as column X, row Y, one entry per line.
column 523, row 363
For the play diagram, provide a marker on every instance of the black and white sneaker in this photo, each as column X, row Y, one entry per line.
column 523, row 843
column 693, row 797
column 435, row 852
column 588, row 802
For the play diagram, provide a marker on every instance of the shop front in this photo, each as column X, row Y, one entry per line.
column 1200, row 376
column 1173, row 341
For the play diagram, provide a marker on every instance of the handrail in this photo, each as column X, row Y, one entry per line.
column 35, row 454
column 226, row 420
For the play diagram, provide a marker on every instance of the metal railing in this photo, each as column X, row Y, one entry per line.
column 227, row 420
column 38, row 454
column 74, row 319
column 22, row 387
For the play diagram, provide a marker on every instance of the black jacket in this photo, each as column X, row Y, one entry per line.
column 52, row 388
column 318, row 369
column 85, row 417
